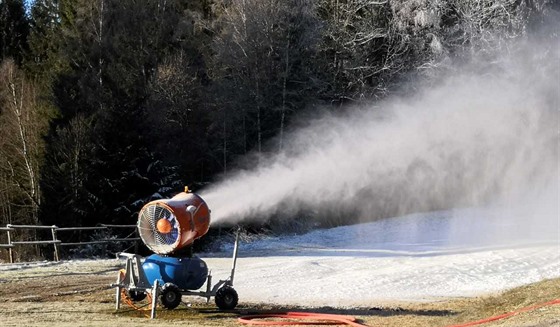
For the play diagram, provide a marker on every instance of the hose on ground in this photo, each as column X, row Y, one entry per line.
column 330, row 319
column 313, row 319
column 507, row 314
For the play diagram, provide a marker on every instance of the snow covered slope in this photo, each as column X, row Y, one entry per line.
column 413, row 258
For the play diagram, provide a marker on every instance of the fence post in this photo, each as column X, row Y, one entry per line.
column 55, row 244
column 11, row 253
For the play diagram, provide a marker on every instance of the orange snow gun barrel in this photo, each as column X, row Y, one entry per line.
column 168, row 225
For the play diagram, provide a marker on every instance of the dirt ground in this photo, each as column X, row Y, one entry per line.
column 77, row 294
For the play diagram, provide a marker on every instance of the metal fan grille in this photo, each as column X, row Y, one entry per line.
column 161, row 243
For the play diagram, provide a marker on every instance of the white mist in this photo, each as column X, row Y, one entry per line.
column 475, row 139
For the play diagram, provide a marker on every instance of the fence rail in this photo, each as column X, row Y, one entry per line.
column 55, row 241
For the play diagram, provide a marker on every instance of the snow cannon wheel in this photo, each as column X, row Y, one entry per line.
column 226, row 298
column 133, row 295
column 170, row 296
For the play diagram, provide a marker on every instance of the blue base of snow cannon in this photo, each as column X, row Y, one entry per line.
column 186, row 273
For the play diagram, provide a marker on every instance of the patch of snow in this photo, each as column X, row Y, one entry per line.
column 420, row 257
column 26, row 265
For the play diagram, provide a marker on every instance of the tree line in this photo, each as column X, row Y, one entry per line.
column 107, row 104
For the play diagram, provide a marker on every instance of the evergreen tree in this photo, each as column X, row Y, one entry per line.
column 43, row 61
column 14, row 30
column 113, row 48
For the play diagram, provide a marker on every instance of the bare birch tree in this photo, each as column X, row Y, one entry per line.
column 23, row 124
column 261, row 48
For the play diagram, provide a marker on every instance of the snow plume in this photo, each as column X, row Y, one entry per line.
column 481, row 137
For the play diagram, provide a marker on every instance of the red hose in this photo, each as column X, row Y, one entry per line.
column 507, row 315
column 330, row 319
column 318, row 319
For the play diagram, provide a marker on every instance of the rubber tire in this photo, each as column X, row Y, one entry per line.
column 136, row 296
column 170, row 296
column 226, row 298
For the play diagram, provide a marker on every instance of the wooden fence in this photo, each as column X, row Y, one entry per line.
column 55, row 241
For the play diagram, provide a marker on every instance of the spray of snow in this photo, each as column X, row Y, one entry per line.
column 475, row 139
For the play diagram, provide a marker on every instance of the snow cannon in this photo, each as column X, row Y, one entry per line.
column 168, row 227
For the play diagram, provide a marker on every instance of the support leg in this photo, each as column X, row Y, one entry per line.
column 154, row 299
column 118, row 298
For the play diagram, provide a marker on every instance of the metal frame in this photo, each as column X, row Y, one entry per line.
column 135, row 280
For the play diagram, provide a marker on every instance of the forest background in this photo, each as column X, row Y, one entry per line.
column 108, row 104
